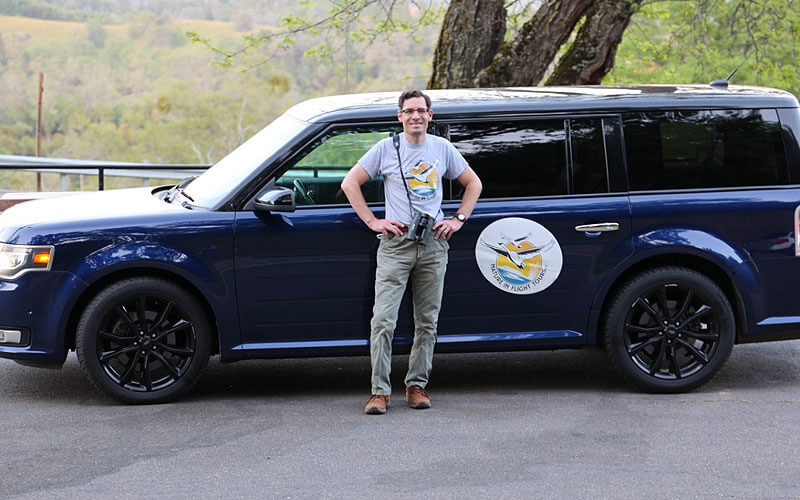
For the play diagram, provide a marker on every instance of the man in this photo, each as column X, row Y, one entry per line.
column 413, row 186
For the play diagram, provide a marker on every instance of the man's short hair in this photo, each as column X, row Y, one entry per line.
column 410, row 94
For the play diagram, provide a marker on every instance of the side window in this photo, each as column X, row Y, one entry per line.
column 514, row 158
column 316, row 176
column 532, row 157
column 589, row 167
column 699, row 149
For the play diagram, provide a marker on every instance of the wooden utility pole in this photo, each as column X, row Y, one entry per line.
column 39, row 130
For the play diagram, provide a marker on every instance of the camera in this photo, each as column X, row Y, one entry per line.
column 421, row 228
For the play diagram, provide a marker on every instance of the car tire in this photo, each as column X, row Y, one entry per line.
column 143, row 340
column 669, row 329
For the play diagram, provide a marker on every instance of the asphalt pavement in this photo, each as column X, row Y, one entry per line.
column 551, row 424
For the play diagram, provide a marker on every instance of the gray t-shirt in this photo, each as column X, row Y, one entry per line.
column 424, row 167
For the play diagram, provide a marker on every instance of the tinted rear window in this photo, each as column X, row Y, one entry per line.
column 704, row 149
column 524, row 158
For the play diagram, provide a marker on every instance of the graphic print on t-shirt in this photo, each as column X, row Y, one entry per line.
column 423, row 179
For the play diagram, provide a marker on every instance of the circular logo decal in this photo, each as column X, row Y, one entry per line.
column 518, row 256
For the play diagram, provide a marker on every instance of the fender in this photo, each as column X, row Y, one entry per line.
column 216, row 284
column 659, row 242
column 122, row 255
column 692, row 241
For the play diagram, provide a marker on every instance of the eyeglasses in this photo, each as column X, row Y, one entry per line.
column 411, row 111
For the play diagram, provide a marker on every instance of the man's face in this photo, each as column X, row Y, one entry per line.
column 415, row 116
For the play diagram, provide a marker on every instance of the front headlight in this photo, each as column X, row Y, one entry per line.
column 19, row 259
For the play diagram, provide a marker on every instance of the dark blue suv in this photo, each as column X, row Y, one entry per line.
column 657, row 221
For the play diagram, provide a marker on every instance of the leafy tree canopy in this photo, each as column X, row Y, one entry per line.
column 125, row 84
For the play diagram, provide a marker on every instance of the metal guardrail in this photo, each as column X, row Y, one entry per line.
column 103, row 170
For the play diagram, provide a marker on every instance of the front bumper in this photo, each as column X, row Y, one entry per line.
column 38, row 304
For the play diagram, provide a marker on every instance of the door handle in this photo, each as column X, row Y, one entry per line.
column 601, row 227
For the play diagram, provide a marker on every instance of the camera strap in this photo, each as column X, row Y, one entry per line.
column 396, row 142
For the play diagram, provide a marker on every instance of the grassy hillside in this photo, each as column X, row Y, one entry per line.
column 140, row 91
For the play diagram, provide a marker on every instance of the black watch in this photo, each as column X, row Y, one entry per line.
column 461, row 218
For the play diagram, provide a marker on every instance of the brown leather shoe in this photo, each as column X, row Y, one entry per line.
column 417, row 397
column 377, row 404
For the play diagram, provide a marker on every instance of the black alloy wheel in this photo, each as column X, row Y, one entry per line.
column 143, row 340
column 669, row 329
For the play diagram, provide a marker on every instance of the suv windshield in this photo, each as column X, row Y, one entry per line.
column 211, row 188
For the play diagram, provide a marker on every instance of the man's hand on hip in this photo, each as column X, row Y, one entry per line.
column 386, row 226
column 446, row 227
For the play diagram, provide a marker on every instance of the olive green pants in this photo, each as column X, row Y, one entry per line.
column 399, row 261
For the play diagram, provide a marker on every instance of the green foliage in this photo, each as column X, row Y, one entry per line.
column 143, row 96
column 96, row 34
column 140, row 23
column 360, row 21
column 342, row 150
column 128, row 100
column 38, row 9
column 3, row 55
column 280, row 84
column 518, row 13
column 165, row 37
column 699, row 41
column 243, row 22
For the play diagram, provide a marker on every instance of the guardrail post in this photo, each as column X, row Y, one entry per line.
column 62, row 178
column 101, row 183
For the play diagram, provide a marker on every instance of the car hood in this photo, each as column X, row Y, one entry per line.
column 83, row 207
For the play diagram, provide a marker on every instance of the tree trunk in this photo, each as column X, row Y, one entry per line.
column 472, row 32
column 524, row 61
column 591, row 55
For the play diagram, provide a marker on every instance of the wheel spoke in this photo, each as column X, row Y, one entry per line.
column 659, row 359
column 643, row 302
column 685, row 305
column 662, row 302
column 171, row 369
column 673, row 362
column 698, row 355
column 700, row 336
column 126, row 377
column 104, row 357
column 642, row 329
column 141, row 312
column 702, row 311
column 148, row 381
column 180, row 351
column 163, row 316
column 181, row 324
column 125, row 317
column 634, row 348
column 111, row 336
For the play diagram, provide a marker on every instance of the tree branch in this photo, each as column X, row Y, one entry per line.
column 471, row 33
column 524, row 60
column 286, row 37
column 591, row 55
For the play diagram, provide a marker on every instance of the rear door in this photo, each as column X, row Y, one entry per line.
column 717, row 180
column 550, row 224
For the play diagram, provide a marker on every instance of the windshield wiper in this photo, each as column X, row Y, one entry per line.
column 186, row 195
column 179, row 189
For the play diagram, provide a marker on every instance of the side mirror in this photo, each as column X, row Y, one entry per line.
column 277, row 199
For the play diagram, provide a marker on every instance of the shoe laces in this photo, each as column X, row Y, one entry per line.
column 415, row 389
